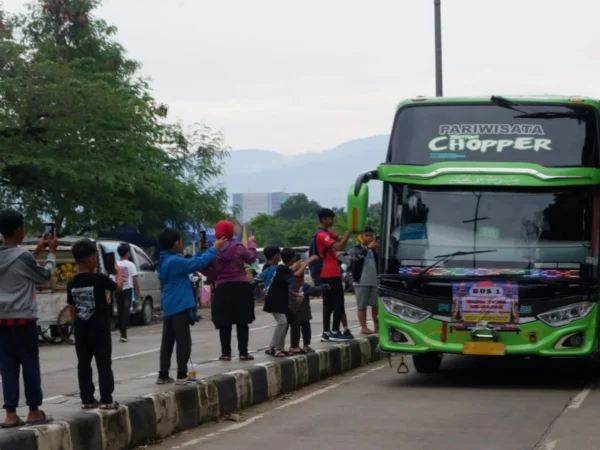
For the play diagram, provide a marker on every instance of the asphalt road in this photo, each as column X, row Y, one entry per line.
column 473, row 404
column 135, row 363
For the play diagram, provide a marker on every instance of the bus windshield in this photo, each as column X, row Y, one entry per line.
column 549, row 135
column 527, row 233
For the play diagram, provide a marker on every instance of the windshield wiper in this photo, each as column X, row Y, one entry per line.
column 505, row 103
column 553, row 115
column 443, row 259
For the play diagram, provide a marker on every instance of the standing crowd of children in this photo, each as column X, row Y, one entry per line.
column 287, row 299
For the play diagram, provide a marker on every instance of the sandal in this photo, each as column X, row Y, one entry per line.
column 299, row 352
column 225, row 358
column 246, row 358
column 92, row 405
column 113, row 405
column 271, row 351
column 309, row 349
column 280, row 354
column 43, row 421
column 18, row 423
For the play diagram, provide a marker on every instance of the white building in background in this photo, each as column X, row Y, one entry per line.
column 251, row 205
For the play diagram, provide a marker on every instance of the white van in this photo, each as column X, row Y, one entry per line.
column 147, row 277
column 150, row 290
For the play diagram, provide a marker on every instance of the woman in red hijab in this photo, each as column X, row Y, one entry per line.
column 234, row 300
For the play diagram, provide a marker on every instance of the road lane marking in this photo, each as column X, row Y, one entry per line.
column 253, row 419
column 133, row 355
column 237, row 426
column 196, row 441
column 574, row 403
column 579, row 398
column 56, row 397
column 308, row 396
column 326, row 389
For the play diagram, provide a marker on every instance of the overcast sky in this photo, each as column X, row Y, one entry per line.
column 306, row 76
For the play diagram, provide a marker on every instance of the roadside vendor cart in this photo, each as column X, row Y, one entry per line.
column 54, row 319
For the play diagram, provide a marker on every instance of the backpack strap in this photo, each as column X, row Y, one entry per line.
column 317, row 247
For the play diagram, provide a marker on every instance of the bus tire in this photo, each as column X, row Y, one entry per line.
column 427, row 362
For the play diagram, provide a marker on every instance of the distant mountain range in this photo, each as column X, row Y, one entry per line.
column 324, row 176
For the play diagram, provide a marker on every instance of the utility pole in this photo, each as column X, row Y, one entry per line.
column 438, row 48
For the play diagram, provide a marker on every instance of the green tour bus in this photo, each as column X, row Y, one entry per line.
column 490, row 225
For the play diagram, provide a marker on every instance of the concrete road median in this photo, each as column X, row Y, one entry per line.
column 152, row 416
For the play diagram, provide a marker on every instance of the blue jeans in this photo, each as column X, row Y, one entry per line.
column 19, row 347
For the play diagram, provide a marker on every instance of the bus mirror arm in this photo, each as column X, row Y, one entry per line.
column 364, row 178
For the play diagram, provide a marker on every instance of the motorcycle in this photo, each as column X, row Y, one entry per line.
column 347, row 279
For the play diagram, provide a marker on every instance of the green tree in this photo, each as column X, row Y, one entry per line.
column 300, row 232
column 274, row 230
column 82, row 139
column 298, row 206
column 268, row 230
column 374, row 216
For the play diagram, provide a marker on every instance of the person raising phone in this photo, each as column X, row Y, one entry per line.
column 19, row 346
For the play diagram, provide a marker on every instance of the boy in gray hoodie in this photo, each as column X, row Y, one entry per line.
column 19, row 346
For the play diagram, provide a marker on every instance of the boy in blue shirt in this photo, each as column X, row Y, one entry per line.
column 178, row 302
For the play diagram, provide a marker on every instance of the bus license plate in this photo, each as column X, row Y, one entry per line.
column 484, row 348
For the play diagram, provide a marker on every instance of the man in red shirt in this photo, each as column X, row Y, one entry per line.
column 328, row 244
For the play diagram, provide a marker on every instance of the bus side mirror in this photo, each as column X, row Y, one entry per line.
column 358, row 201
column 357, row 208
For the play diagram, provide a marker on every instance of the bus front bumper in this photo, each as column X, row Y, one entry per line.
column 533, row 338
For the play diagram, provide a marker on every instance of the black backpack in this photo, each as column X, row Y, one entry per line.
column 316, row 266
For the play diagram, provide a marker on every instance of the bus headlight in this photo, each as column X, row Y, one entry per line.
column 566, row 314
column 404, row 311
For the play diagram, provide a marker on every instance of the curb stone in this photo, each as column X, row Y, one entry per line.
column 158, row 415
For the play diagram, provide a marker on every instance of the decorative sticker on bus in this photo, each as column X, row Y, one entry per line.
column 454, row 141
column 485, row 301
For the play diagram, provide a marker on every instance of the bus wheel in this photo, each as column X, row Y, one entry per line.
column 427, row 362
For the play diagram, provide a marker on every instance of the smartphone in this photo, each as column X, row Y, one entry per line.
column 109, row 262
column 49, row 229
column 377, row 238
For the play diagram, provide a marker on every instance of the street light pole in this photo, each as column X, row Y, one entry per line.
column 438, row 48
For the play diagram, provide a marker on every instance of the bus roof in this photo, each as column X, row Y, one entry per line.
column 515, row 98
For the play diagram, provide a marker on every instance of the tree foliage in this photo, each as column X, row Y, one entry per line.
column 81, row 137
column 298, row 207
column 300, row 229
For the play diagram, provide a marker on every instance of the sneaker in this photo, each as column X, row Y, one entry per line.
column 347, row 333
column 186, row 380
column 123, row 339
column 167, row 380
column 338, row 336
column 326, row 336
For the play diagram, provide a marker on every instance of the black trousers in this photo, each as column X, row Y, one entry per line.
column 176, row 329
column 99, row 347
column 243, row 336
column 123, row 300
column 333, row 303
column 295, row 331
column 19, row 349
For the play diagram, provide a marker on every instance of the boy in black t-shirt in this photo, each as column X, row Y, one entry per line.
column 86, row 293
